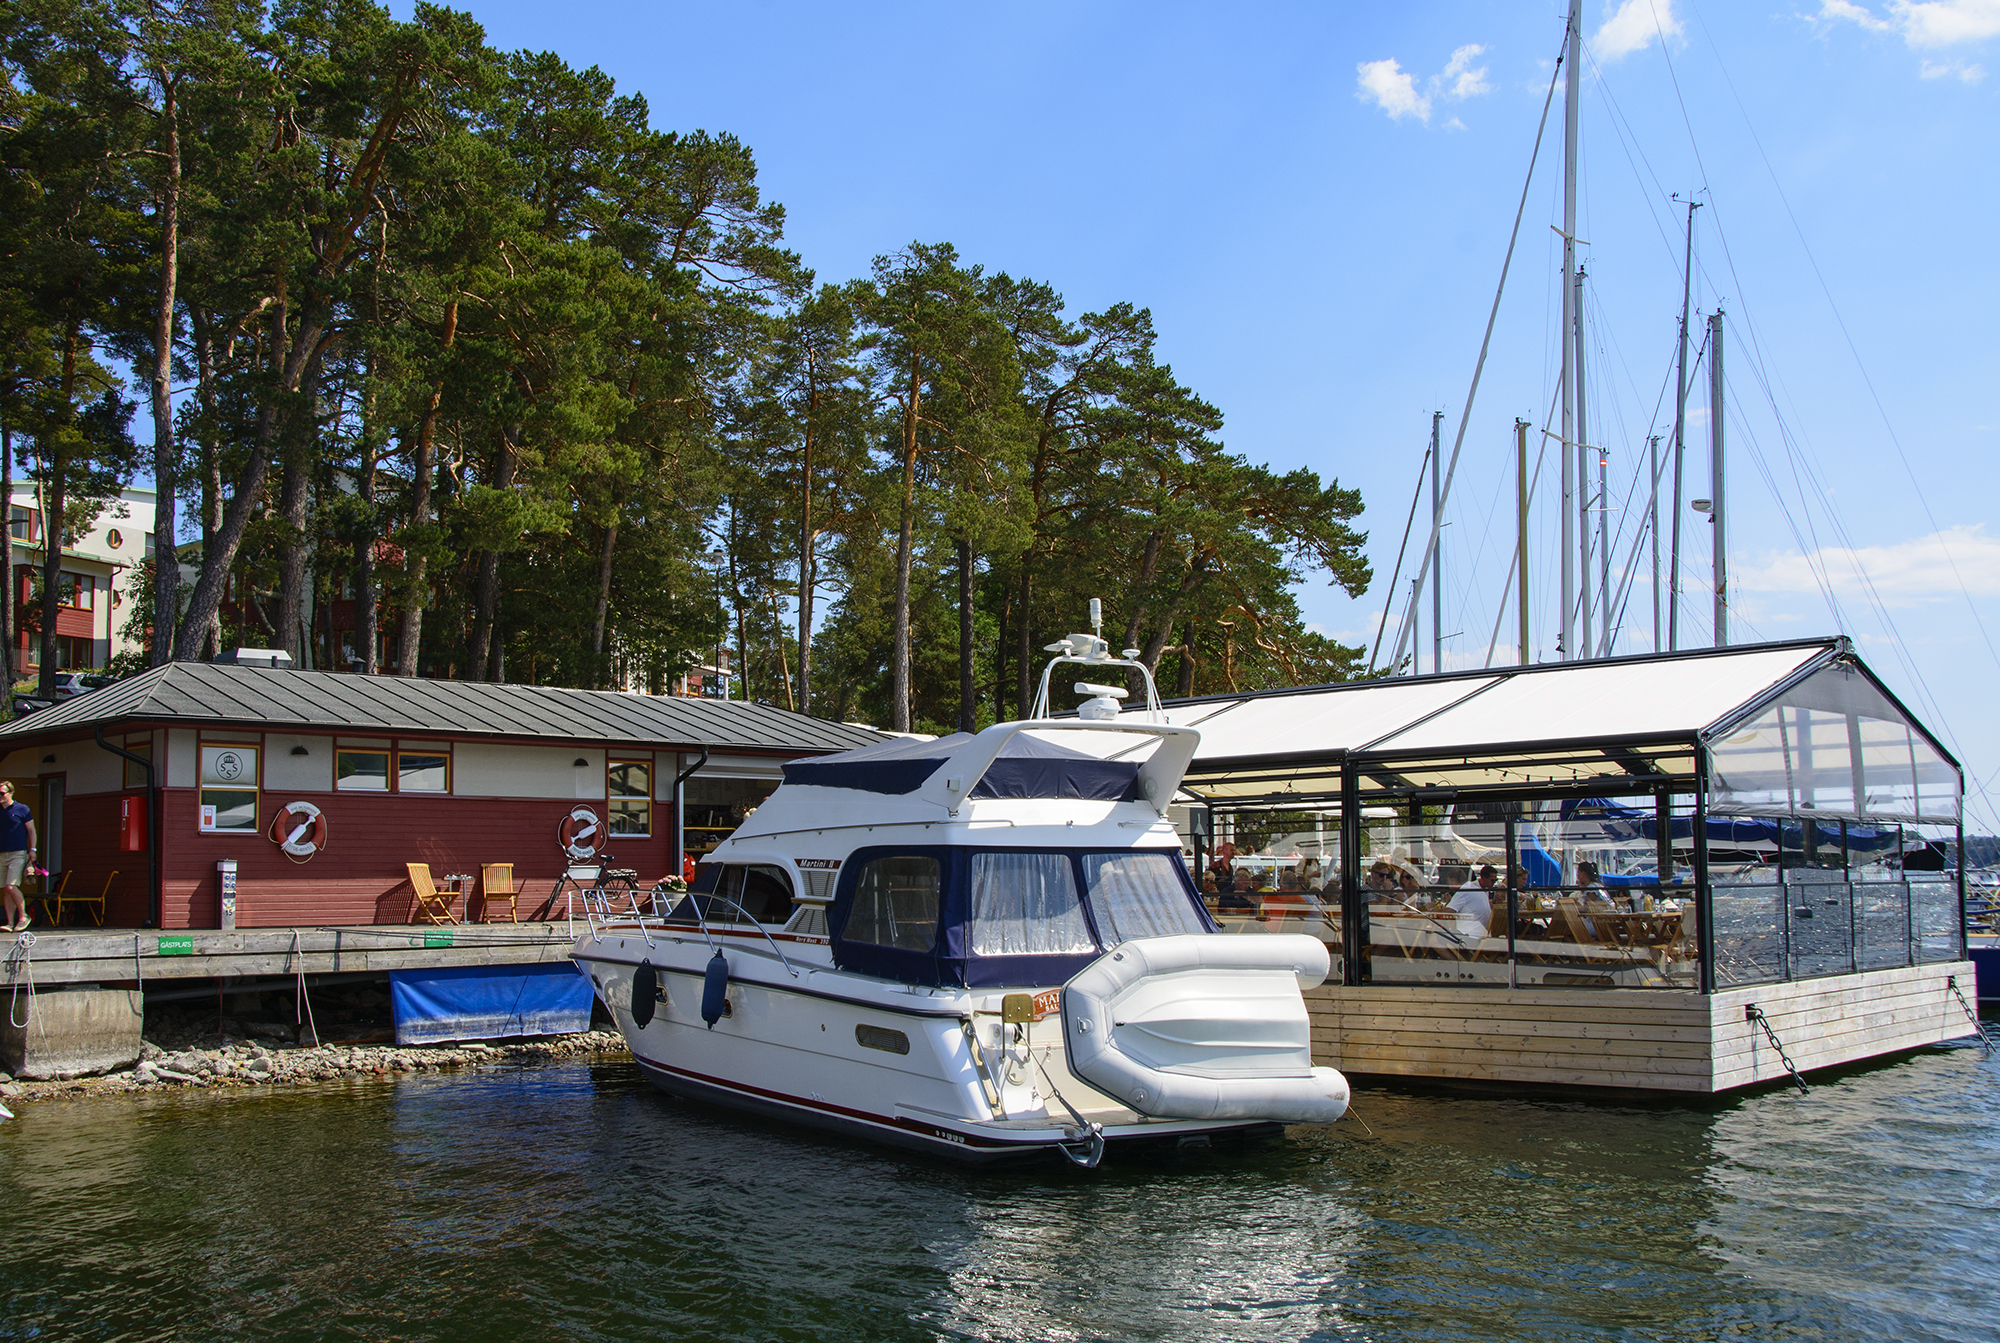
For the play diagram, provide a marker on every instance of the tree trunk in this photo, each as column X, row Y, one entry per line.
column 211, row 481
column 166, row 563
column 600, row 667
column 205, row 603
column 294, row 494
column 1000, row 657
column 899, row 709
column 1024, row 651
column 52, row 522
column 7, row 587
column 968, row 706
column 1149, row 565
column 778, row 636
column 416, row 589
column 806, row 538
column 486, row 586
column 367, row 606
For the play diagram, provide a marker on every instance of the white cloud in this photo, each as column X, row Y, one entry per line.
column 1922, row 23
column 1969, row 74
column 1905, row 573
column 1632, row 27
column 1390, row 87
column 1459, row 73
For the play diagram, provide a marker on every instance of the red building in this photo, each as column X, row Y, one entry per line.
column 159, row 777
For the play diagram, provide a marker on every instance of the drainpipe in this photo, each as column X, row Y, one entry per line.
column 680, row 813
column 152, row 827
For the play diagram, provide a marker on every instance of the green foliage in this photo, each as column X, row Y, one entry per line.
column 476, row 347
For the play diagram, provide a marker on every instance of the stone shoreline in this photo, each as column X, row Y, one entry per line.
column 252, row 1063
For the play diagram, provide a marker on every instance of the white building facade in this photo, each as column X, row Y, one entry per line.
column 99, row 579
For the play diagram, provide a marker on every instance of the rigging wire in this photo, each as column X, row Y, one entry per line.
column 1408, row 522
column 1478, row 368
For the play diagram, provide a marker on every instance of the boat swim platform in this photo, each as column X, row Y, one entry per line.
column 1634, row 1040
column 137, row 957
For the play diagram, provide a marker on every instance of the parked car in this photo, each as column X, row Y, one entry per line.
column 71, row 684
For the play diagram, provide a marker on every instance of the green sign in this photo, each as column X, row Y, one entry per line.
column 178, row 944
column 437, row 939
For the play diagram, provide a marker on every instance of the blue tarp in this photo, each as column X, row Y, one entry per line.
column 488, row 1002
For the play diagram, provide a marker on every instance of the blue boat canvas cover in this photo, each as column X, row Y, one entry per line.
column 1027, row 767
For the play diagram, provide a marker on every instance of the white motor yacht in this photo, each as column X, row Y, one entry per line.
column 982, row 946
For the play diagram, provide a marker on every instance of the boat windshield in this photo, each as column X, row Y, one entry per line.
column 1138, row 895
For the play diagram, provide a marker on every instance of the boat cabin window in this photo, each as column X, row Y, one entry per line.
column 1025, row 904
column 1138, row 895
column 762, row 891
column 896, row 903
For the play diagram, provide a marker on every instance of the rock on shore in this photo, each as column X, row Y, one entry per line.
column 264, row 1062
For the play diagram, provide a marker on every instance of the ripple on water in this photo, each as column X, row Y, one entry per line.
column 570, row 1200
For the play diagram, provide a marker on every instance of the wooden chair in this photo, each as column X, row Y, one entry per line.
column 496, row 883
column 432, row 903
column 93, row 904
column 50, row 897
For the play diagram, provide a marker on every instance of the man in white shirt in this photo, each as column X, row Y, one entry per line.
column 1474, row 902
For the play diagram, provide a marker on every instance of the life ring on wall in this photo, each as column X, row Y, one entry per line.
column 303, row 837
column 580, row 835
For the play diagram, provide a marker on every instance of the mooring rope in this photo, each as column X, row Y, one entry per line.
column 1756, row 1014
column 21, row 961
column 1951, row 982
column 298, row 959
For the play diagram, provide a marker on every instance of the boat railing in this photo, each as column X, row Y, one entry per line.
column 599, row 916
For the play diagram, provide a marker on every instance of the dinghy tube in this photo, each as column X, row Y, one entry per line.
column 1199, row 1026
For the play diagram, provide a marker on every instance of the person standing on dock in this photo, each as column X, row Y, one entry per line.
column 17, row 845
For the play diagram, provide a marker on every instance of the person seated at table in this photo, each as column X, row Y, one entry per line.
column 1473, row 903
column 1311, row 878
column 1208, row 889
column 1230, row 892
column 1381, row 877
column 1408, row 885
column 1288, row 879
column 1586, row 878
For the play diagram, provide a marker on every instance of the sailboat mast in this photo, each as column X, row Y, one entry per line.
column 1582, row 454
column 1653, row 528
column 1521, row 526
column 1437, row 555
column 1717, row 517
column 1680, row 440
column 1572, row 46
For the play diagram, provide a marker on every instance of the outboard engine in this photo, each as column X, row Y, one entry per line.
column 1197, row 1026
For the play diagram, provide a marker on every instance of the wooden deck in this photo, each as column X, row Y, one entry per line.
column 133, row 957
column 1633, row 1039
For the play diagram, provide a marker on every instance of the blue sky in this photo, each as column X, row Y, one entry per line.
column 1314, row 200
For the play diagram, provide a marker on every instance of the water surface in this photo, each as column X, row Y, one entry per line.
column 570, row 1200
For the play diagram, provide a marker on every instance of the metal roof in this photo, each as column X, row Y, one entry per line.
column 198, row 694
column 1652, row 696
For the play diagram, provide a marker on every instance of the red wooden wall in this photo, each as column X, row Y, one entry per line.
column 356, row 878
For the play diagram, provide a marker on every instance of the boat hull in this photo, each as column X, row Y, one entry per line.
column 811, row 1045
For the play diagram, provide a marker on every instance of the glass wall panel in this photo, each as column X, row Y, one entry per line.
column 1881, row 900
column 1813, row 863
column 1934, row 917
column 1275, row 872
column 1437, row 907
column 1834, row 743
column 1591, row 908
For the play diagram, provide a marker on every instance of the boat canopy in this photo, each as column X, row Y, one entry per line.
column 1027, row 767
column 937, row 914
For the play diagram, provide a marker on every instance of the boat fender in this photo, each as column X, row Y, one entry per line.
column 645, row 991
column 715, row 990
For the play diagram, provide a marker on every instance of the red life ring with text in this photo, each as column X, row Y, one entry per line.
column 300, row 829
column 580, row 835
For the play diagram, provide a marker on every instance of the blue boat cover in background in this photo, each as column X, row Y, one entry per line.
column 1026, row 767
column 488, row 1002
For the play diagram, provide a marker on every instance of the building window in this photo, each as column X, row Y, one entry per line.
column 73, row 652
column 361, row 771
column 423, row 772
column 629, row 790
column 24, row 524
column 229, row 788
column 135, row 774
